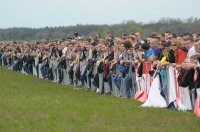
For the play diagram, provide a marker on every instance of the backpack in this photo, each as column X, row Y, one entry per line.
column 185, row 78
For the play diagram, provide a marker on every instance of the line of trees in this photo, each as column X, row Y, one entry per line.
column 177, row 26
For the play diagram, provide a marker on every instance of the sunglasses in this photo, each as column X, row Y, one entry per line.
column 173, row 45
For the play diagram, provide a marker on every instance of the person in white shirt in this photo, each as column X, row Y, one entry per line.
column 189, row 45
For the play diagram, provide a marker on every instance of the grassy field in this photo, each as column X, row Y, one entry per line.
column 31, row 104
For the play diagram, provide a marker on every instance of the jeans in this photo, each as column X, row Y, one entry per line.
column 84, row 71
column 71, row 75
column 93, row 82
column 27, row 68
column 87, row 67
column 30, row 69
column 83, row 79
column 109, row 79
column 128, row 82
column 117, row 80
column 37, row 69
column 192, row 96
column 43, row 70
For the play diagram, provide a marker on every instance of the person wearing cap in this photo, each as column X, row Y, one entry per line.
column 124, row 36
column 76, row 36
column 109, row 58
column 164, row 60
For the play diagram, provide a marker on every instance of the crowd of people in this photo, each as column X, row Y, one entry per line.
column 113, row 59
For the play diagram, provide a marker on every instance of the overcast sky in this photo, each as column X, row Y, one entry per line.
column 41, row 13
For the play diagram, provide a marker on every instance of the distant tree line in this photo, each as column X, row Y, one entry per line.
column 177, row 26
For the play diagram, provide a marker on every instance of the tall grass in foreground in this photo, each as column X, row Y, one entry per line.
column 31, row 104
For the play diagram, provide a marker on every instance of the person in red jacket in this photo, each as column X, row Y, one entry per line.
column 179, row 54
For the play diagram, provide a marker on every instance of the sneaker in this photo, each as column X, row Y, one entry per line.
column 87, row 89
column 98, row 90
column 54, row 81
column 82, row 86
column 79, row 85
column 119, row 95
column 109, row 93
column 93, row 90
column 127, row 97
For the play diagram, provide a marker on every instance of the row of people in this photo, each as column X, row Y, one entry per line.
column 115, row 58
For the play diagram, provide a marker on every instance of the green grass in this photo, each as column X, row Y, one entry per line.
column 31, row 104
